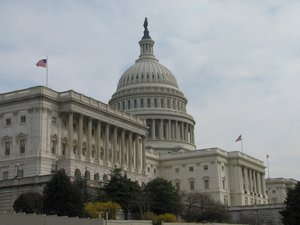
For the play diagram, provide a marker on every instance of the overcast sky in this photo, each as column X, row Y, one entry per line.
column 237, row 62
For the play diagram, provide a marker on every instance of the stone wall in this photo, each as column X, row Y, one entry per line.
column 257, row 214
column 32, row 219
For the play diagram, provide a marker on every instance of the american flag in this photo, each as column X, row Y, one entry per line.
column 239, row 138
column 42, row 63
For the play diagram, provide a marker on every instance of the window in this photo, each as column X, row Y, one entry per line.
column 177, row 185
column 223, row 183
column 5, row 175
column 148, row 169
column 191, row 169
column 142, row 103
column 123, row 105
column 192, row 185
column 206, row 184
column 22, row 146
column 176, row 170
column 20, row 172
column 23, row 119
column 222, row 167
column 205, row 167
column 96, row 177
column 148, row 102
column 53, row 120
column 83, row 149
column 162, row 103
column 93, row 151
column 273, row 191
column 53, row 168
column 154, row 171
column 168, row 103
column 64, row 147
column 8, row 122
column 87, row 175
column 7, row 148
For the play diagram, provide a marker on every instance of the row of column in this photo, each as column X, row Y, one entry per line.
column 171, row 130
column 253, row 181
column 129, row 153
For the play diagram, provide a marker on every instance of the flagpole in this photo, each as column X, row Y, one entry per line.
column 47, row 72
column 268, row 166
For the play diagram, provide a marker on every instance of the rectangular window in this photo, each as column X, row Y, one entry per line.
column 205, row 167
column 162, row 103
column 192, row 185
column 176, row 170
column 191, row 169
column 206, row 184
column 155, row 103
column 7, row 148
column 142, row 103
column 8, row 122
column 148, row 103
column 53, row 120
column 23, row 119
column 5, row 175
column 20, row 172
column 177, row 186
column 22, row 146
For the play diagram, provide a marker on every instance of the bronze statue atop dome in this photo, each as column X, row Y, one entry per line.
column 146, row 31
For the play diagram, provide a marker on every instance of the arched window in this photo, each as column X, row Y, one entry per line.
column 87, row 174
column 77, row 173
column 96, row 176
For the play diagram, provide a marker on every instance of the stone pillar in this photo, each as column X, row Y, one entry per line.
column 185, row 132
column 250, row 179
column 181, row 131
column 70, row 134
column 246, row 179
column 130, row 151
column 98, row 140
column 143, row 155
column 89, row 138
column 106, row 143
column 122, row 152
column 114, row 147
column 153, row 129
column 263, row 181
column 176, row 130
column 161, row 129
column 169, row 130
column 192, row 135
column 137, row 153
column 259, row 183
column 80, row 129
column 255, row 181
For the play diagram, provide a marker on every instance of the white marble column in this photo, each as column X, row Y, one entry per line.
column 130, row 151
column 106, row 143
column 263, row 181
column 255, row 181
column 98, row 140
column 89, row 138
column 70, row 134
column 80, row 129
column 153, row 129
column 181, row 131
column 250, row 179
column 246, row 179
column 177, row 133
column 169, row 130
column 122, row 152
column 259, row 183
column 143, row 154
column 114, row 148
column 137, row 153
column 161, row 129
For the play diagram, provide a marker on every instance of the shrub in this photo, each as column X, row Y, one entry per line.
column 167, row 217
column 92, row 209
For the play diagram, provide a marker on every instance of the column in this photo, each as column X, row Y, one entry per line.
column 122, row 153
column 98, row 140
column 182, row 131
column 70, row 134
column 255, row 183
column 80, row 129
column 250, row 179
column 192, row 135
column 161, row 129
column 114, row 148
column 137, row 153
column 143, row 155
column 259, row 183
column 263, row 181
column 153, row 129
column 246, row 179
column 106, row 143
column 169, row 130
column 89, row 138
column 129, row 150
column 176, row 130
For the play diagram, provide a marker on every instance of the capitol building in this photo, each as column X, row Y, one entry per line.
column 144, row 129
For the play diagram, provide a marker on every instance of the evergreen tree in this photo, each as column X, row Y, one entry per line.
column 61, row 197
column 30, row 202
column 124, row 191
column 161, row 196
column 291, row 215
